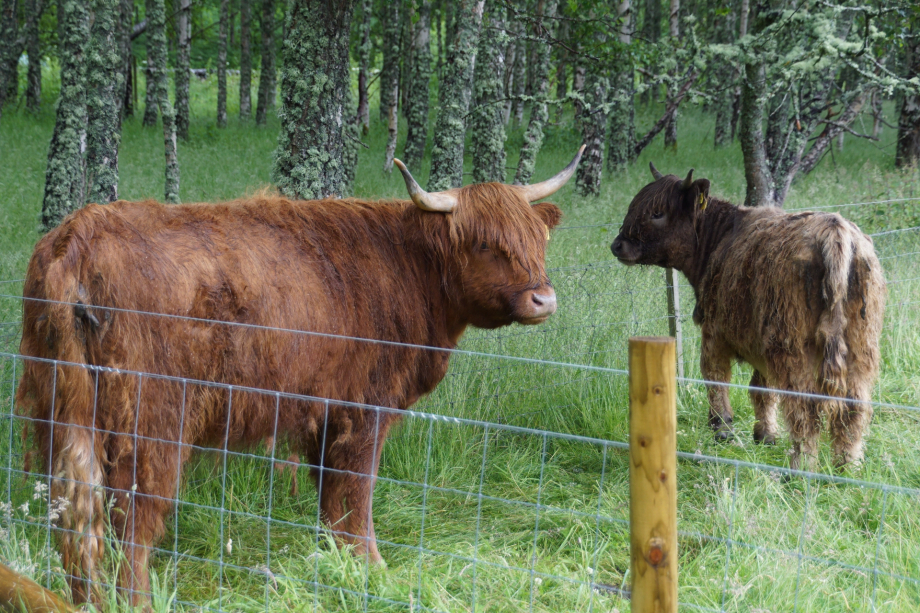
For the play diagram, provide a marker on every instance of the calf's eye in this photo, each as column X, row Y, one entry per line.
column 657, row 216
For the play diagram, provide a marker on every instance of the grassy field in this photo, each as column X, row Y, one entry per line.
column 502, row 518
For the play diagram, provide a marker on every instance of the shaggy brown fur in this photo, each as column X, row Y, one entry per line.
column 800, row 297
column 377, row 270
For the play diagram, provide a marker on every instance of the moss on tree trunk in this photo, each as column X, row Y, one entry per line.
column 245, row 59
column 454, row 98
column 594, row 129
column 105, row 80
column 183, row 67
column 539, row 113
column 156, row 58
column 64, row 173
column 364, row 61
column 308, row 162
column 487, row 117
column 33, row 49
column 222, row 65
column 267, row 69
column 418, row 83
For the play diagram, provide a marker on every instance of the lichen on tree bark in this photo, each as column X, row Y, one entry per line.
column 487, row 117
column 183, row 67
column 594, row 129
column 454, row 99
column 245, row 59
column 267, row 69
column 309, row 159
column 418, row 92
column 222, row 65
column 156, row 57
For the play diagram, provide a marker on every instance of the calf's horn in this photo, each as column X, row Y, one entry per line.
column 688, row 181
column 438, row 202
column 546, row 188
column 655, row 172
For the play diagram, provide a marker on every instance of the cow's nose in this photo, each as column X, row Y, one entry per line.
column 546, row 302
column 617, row 246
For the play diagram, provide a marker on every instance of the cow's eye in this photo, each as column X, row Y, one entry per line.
column 657, row 216
column 483, row 247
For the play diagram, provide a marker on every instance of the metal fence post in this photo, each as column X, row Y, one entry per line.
column 653, row 474
column 674, row 326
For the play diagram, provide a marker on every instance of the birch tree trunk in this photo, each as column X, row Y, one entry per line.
column 33, row 49
column 267, row 69
column 156, row 57
column 594, row 129
column 418, row 90
column 309, row 159
column 487, row 117
column 389, row 80
column 245, row 59
column 454, row 99
column 104, row 82
column 670, row 130
column 183, row 67
column 756, row 172
column 622, row 130
column 520, row 78
column 64, row 181
column 222, row 65
column 539, row 112
column 651, row 28
column 908, row 147
column 725, row 78
column 9, row 48
column 364, row 62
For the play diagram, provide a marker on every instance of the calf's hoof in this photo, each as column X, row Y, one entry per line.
column 724, row 433
column 761, row 438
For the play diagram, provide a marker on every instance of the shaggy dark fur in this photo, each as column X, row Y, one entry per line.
column 799, row 296
column 377, row 270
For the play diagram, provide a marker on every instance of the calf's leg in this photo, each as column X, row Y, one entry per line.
column 715, row 365
column 764, row 410
column 803, row 419
column 848, row 421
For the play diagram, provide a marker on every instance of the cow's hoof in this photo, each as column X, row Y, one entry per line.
column 764, row 439
column 724, row 434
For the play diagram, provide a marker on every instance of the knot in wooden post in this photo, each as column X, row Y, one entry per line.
column 652, row 474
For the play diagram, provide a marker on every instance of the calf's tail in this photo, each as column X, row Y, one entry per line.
column 64, row 396
column 837, row 247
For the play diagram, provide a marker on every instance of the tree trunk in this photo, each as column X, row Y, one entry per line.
column 125, row 17
column 622, row 130
column 756, row 172
column 151, row 103
column 389, row 72
column 508, row 77
column 364, row 62
column 594, row 129
column 418, row 90
column 725, row 77
column 487, row 117
column 9, row 48
column 33, row 49
column 156, row 58
column 670, row 131
column 351, row 134
column 520, row 78
column 814, row 155
column 743, row 18
column 267, row 70
column 104, row 88
column 454, row 98
column 439, row 26
column 183, row 67
column 64, row 181
column 245, row 59
column 222, row 65
column 562, row 83
column 578, row 86
column 539, row 112
column 908, row 147
column 651, row 28
column 309, row 159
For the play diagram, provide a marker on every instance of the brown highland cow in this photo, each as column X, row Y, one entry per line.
column 145, row 288
column 798, row 296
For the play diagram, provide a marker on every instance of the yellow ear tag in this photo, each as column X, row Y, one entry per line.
column 703, row 202
column 546, row 227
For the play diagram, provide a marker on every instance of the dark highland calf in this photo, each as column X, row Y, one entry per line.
column 799, row 297
column 415, row 272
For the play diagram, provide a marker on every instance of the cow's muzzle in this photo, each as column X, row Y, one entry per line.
column 538, row 305
column 621, row 250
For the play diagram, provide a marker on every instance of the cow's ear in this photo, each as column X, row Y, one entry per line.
column 697, row 197
column 549, row 213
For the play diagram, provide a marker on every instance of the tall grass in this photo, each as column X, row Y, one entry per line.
column 506, row 519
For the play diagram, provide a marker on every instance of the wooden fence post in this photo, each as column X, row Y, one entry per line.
column 653, row 474
column 672, row 282
column 19, row 593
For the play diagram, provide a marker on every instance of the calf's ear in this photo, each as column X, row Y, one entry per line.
column 549, row 213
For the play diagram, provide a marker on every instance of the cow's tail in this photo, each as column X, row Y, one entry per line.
column 76, row 450
column 837, row 248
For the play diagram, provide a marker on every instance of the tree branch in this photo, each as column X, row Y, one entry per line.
column 669, row 111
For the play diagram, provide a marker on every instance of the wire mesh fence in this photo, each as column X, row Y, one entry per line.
column 506, row 488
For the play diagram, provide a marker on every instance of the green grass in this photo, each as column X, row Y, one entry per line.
column 579, row 533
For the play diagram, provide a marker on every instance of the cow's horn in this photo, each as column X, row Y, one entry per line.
column 688, row 181
column 438, row 202
column 655, row 172
column 546, row 188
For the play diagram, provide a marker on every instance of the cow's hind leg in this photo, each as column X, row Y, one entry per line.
column 848, row 421
column 346, row 484
column 803, row 419
column 716, row 366
column 764, row 410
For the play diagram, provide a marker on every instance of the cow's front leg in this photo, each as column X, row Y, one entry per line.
column 716, row 366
